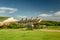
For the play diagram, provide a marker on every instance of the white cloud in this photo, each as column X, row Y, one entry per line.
column 5, row 9
column 2, row 11
column 51, row 11
column 45, row 15
column 50, row 15
column 54, row 16
column 23, row 16
column 57, row 13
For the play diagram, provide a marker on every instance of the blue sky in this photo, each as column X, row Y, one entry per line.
column 44, row 9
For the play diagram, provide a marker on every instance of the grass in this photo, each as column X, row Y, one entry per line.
column 53, row 27
column 14, row 34
column 2, row 18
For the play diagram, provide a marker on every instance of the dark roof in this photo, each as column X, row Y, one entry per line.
column 29, row 20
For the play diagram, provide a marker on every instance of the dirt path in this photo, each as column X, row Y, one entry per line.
column 50, row 30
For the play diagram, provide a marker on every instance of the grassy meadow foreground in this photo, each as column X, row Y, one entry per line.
column 44, row 30
column 16, row 34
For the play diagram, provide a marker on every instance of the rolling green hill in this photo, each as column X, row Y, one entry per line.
column 3, row 18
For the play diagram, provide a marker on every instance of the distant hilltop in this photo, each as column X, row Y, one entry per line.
column 2, row 18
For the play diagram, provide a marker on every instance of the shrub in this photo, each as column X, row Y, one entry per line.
column 39, row 26
column 12, row 25
column 15, row 25
column 20, row 25
column 29, row 27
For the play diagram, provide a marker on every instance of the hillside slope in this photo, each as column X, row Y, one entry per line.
column 3, row 18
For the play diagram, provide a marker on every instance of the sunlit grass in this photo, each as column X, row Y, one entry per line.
column 53, row 27
column 16, row 34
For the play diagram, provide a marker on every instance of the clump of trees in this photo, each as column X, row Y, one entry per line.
column 37, row 25
column 49, row 23
column 15, row 25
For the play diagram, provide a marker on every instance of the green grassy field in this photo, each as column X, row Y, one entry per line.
column 53, row 27
column 12, row 34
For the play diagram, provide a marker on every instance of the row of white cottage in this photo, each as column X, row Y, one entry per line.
column 11, row 19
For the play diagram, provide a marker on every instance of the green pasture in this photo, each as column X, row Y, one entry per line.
column 53, row 27
column 16, row 34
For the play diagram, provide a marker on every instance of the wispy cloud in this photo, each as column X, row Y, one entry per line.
column 45, row 15
column 51, row 11
column 56, row 14
column 5, row 9
column 23, row 16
